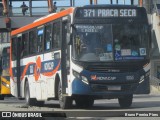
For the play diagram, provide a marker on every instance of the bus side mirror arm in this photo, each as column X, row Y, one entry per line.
column 71, row 35
column 70, row 40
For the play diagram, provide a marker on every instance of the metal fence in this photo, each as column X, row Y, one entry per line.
column 35, row 11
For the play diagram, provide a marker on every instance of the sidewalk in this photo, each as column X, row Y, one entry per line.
column 154, row 91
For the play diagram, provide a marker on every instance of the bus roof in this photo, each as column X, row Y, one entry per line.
column 42, row 21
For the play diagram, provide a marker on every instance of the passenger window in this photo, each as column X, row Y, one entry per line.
column 24, row 51
column 32, row 42
column 56, row 36
column 14, row 49
column 48, row 37
column 40, row 35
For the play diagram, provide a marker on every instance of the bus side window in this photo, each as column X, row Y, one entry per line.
column 40, row 35
column 24, row 50
column 14, row 49
column 56, row 43
column 32, row 42
column 48, row 37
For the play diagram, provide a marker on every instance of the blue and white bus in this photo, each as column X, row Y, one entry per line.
column 82, row 54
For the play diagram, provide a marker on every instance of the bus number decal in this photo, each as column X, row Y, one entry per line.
column 31, row 69
column 48, row 66
column 89, row 13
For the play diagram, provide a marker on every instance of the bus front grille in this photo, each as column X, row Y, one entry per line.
column 114, row 69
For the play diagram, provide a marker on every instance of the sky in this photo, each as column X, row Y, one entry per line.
column 77, row 2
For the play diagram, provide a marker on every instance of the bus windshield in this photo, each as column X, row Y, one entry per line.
column 110, row 42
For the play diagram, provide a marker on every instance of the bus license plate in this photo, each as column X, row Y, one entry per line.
column 114, row 87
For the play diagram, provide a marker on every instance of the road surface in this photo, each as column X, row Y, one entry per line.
column 144, row 107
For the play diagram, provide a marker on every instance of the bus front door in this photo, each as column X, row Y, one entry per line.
column 64, row 99
column 18, row 75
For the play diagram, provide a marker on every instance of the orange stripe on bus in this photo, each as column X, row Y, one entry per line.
column 37, row 68
column 37, row 71
column 25, row 70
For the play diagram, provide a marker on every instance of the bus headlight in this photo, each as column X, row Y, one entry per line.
column 141, row 79
column 76, row 74
column 85, row 80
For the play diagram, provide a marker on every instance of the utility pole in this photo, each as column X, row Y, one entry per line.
column 111, row 1
column 50, row 6
column 140, row 3
column 30, row 7
column 132, row 2
column 95, row 2
column 91, row 2
column 71, row 4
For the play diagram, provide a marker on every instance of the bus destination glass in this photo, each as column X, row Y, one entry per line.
column 106, row 13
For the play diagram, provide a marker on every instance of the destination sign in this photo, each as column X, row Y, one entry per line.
column 108, row 13
column 89, row 28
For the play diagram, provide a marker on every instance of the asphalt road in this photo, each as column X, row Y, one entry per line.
column 144, row 107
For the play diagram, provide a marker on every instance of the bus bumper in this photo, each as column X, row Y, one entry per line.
column 102, row 90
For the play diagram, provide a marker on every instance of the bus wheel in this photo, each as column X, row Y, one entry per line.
column 84, row 102
column 126, row 101
column 39, row 103
column 29, row 101
column 21, row 98
column 64, row 101
column 1, row 97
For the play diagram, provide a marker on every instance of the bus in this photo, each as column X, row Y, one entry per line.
column 81, row 54
column 4, row 73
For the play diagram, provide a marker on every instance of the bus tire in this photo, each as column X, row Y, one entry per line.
column 21, row 98
column 1, row 97
column 126, row 101
column 84, row 102
column 57, row 80
column 29, row 101
column 64, row 101
column 39, row 103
